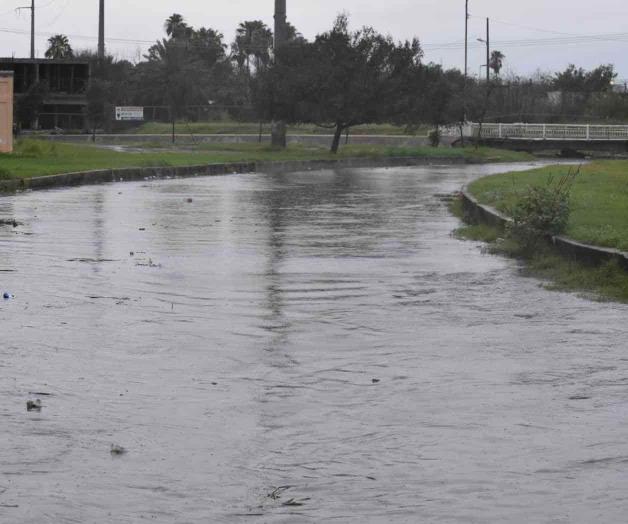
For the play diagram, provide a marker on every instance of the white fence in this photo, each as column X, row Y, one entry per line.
column 547, row 131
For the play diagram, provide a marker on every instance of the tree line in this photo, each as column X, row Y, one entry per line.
column 340, row 79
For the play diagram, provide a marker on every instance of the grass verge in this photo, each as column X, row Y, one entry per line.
column 34, row 158
column 604, row 282
column 599, row 199
column 253, row 128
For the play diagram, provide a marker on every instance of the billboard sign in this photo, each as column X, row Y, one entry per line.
column 129, row 113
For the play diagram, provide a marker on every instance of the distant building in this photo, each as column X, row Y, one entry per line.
column 66, row 82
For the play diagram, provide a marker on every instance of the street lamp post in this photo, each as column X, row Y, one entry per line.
column 488, row 49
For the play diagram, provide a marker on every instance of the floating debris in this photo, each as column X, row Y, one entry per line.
column 149, row 264
column 33, row 405
column 117, row 450
column 376, row 381
column 189, row 200
column 7, row 296
column 91, row 260
column 295, row 502
column 276, row 493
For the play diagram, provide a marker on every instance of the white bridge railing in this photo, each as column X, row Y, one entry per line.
column 547, row 131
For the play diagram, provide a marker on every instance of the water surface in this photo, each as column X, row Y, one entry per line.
column 312, row 347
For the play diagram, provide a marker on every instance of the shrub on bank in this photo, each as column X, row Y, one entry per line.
column 541, row 212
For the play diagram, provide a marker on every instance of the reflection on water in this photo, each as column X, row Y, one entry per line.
column 296, row 348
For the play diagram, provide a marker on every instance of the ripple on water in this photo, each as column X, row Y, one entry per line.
column 296, row 348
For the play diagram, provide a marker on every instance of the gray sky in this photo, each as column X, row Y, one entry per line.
column 517, row 26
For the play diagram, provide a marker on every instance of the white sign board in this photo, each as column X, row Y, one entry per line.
column 129, row 113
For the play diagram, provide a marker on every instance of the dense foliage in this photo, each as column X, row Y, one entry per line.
column 340, row 79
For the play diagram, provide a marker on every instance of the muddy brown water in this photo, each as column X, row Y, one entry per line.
column 312, row 347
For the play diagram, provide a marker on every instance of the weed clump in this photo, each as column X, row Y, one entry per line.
column 541, row 212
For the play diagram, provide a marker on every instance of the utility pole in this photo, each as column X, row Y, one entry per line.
column 101, row 31
column 32, row 29
column 466, row 62
column 466, row 39
column 278, row 129
column 488, row 51
column 32, row 8
column 487, row 41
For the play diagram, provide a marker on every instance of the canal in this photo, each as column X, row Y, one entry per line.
column 308, row 347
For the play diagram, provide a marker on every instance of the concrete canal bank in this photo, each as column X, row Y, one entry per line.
column 100, row 176
column 587, row 253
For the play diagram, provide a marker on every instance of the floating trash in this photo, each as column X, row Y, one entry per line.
column 7, row 296
column 33, row 405
column 117, row 450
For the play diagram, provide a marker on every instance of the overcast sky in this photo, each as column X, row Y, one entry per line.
column 533, row 34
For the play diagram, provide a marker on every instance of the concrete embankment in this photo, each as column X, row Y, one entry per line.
column 570, row 248
column 141, row 173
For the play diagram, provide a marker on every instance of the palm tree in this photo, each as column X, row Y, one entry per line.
column 497, row 61
column 59, row 48
column 253, row 39
column 175, row 26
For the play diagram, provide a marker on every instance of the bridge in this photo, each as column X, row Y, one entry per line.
column 578, row 137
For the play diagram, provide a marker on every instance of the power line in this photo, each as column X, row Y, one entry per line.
column 456, row 45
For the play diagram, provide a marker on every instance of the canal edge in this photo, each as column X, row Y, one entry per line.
column 567, row 247
column 127, row 174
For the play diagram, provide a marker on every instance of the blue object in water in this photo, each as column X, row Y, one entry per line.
column 7, row 295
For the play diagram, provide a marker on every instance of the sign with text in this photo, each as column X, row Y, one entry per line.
column 129, row 113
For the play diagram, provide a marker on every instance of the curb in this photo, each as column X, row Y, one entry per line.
column 567, row 247
column 101, row 176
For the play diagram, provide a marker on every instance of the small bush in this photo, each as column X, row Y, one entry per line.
column 541, row 212
column 5, row 174
column 30, row 148
column 435, row 137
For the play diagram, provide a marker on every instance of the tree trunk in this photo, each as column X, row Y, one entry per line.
column 337, row 136
column 278, row 134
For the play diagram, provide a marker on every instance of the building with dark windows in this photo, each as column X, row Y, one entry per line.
column 61, row 86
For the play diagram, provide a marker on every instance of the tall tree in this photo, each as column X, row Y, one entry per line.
column 253, row 43
column 176, row 27
column 340, row 80
column 496, row 62
column 59, row 48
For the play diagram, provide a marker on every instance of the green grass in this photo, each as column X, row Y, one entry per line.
column 39, row 157
column 605, row 282
column 252, row 128
column 599, row 199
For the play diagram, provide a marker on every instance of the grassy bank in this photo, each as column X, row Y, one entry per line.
column 599, row 199
column 599, row 202
column 38, row 158
column 252, row 128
